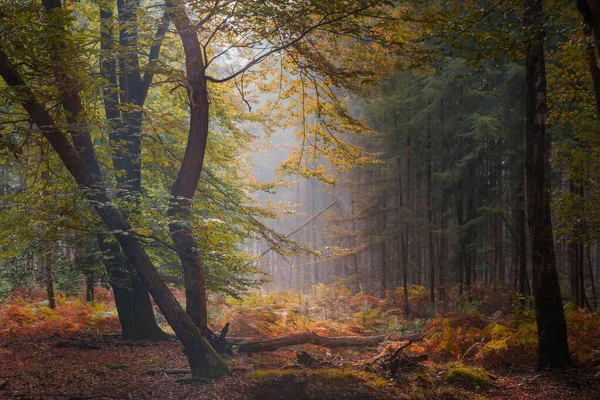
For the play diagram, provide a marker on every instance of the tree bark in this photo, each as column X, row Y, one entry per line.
column 550, row 318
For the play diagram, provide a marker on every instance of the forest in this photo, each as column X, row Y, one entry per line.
column 299, row 199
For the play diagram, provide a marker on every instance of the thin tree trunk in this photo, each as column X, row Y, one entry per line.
column 90, row 285
column 356, row 278
column 403, row 240
column 49, row 275
column 522, row 267
column 384, row 277
column 429, row 195
column 594, row 296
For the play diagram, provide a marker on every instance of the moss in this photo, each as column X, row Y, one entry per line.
column 330, row 374
column 464, row 374
column 378, row 382
column 260, row 374
column 370, row 379
column 154, row 360
column 113, row 366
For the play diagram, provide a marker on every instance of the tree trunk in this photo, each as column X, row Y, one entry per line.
column 429, row 199
column 356, row 277
column 49, row 275
column 403, row 240
column 384, row 255
column 90, row 285
column 591, row 270
column 188, row 175
column 132, row 299
column 125, row 135
column 550, row 318
column 136, row 313
column 590, row 10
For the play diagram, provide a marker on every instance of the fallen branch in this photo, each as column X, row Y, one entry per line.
column 398, row 350
column 312, row 338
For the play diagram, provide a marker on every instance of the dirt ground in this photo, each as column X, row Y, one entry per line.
column 106, row 367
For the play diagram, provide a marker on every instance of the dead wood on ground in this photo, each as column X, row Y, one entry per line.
column 312, row 338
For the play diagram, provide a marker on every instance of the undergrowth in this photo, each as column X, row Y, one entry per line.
column 21, row 319
column 493, row 335
column 510, row 340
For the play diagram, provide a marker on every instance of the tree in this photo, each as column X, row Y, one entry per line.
column 550, row 318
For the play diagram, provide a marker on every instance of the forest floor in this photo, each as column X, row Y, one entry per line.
column 484, row 350
column 106, row 367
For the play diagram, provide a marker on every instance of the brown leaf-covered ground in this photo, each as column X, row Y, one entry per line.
column 106, row 367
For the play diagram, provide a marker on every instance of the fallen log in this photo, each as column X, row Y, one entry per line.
column 312, row 338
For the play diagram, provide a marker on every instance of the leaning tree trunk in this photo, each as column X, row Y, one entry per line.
column 203, row 360
column 550, row 317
